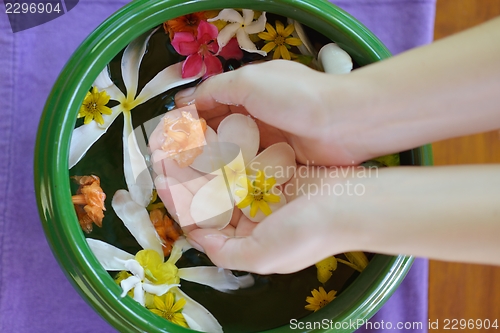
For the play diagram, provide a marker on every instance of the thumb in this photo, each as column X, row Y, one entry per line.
column 289, row 240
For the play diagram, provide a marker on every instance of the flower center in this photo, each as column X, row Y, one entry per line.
column 279, row 40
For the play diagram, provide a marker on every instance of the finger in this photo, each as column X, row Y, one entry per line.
column 176, row 198
column 289, row 240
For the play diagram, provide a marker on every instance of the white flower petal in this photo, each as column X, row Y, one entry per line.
column 228, row 32
column 206, row 161
column 335, row 60
column 176, row 253
column 242, row 131
column 85, row 136
column 158, row 289
column 103, row 82
column 256, row 26
column 110, row 257
column 167, row 79
column 228, row 15
column 274, row 207
column 136, row 218
column 131, row 61
column 306, row 47
column 137, row 176
column 135, row 268
column 246, row 44
column 247, row 16
column 215, row 277
column 212, row 205
column 139, row 294
column 277, row 161
column 197, row 317
column 128, row 284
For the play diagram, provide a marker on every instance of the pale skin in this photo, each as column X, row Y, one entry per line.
column 447, row 89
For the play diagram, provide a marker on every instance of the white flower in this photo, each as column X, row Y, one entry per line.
column 334, row 60
column 241, row 27
column 86, row 135
column 231, row 161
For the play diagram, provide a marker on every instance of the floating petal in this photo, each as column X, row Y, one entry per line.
column 131, row 61
column 169, row 78
column 159, row 289
column 110, row 257
column 335, row 60
column 246, row 44
column 215, row 277
column 256, row 26
column 212, row 205
column 228, row 15
column 103, row 82
column 85, row 136
column 136, row 218
column 197, row 317
column 242, row 131
column 137, row 177
column 277, row 161
column 128, row 284
column 227, row 33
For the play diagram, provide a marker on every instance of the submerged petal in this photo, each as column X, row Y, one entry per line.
column 137, row 176
column 128, row 284
column 242, row 131
column 136, row 218
column 197, row 317
column 110, row 257
column 85, row 136
column 335, row 60
column 131, row 61
column 277, row 161
column 215, row 277
column 212, row 205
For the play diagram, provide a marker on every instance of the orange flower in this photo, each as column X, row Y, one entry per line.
column 184, row 138
column 168, row 230
column 186, row 23
column 89, row 202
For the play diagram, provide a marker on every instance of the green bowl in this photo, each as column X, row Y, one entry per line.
column 360, row 300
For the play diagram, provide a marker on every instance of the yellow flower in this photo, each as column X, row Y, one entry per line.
column 258, row 194
column 94, row 106
column 172, row 311
column 279, row 40
column 319, row 299
column 155, row 270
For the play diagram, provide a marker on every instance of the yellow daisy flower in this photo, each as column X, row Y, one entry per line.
column 319, row 299
column 94, row 106
column 258, row 194
column 172, row 311
column 279, row 40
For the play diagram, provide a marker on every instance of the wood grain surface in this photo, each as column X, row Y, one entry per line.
column 464, row 291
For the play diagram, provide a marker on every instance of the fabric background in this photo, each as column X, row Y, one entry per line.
column 35, row 296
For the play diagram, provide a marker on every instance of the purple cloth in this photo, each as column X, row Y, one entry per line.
column 34, row 294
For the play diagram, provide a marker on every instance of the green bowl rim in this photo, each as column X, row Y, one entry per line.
column 54, row 133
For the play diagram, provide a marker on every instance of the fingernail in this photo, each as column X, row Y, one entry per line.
column 185, row 96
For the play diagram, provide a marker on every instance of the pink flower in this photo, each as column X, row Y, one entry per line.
column 203, row 49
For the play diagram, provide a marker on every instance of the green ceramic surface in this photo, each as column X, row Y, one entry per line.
column 360, row 300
